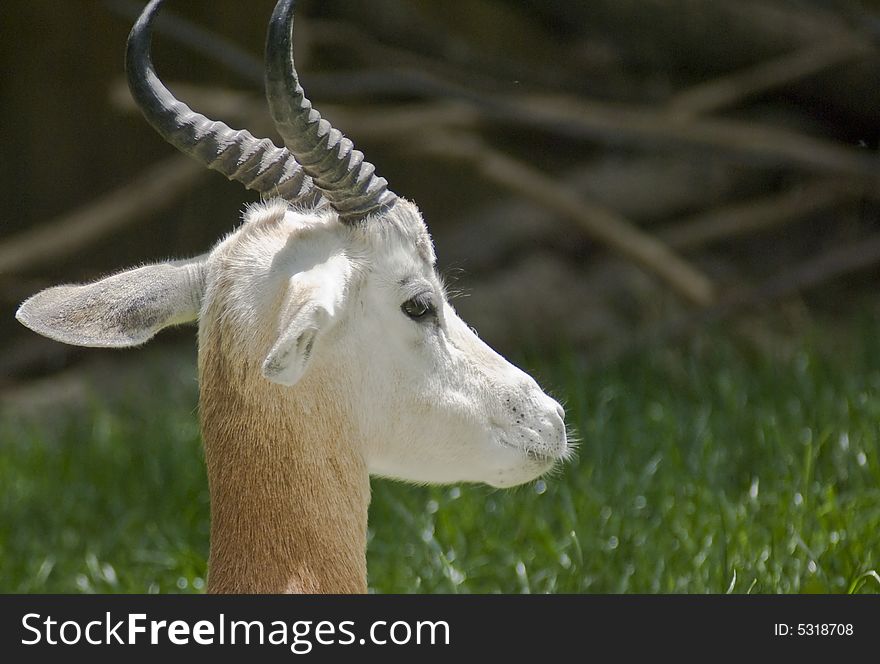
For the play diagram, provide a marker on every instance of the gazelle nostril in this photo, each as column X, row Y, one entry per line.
column 560, row 411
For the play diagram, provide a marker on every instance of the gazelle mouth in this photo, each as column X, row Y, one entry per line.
column 543, row 457
column 538, row 455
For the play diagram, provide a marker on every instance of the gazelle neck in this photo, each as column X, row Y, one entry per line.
column 289, row 492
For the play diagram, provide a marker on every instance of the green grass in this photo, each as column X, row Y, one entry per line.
column 713, row 469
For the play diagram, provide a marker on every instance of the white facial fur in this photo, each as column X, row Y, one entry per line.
column 443, row 406
column 434, row 403
column 306, row 293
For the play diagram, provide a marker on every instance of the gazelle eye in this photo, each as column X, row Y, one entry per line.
column 420, row 307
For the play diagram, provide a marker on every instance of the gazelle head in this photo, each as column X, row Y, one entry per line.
column 328, row 292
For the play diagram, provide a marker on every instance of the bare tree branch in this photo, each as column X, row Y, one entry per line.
column 374, row 121
column 733, row 88
column 809, row 274
column 759, row 214
column 640, row 126
column 158, row 185
column 601, row 223
column 198, row 39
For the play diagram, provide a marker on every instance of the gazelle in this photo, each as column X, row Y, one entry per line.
column 327, row 348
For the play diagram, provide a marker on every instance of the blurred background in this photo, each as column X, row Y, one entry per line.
column 605, row 180
column 594, row 173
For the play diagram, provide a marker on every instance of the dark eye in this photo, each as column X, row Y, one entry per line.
column 419, row 307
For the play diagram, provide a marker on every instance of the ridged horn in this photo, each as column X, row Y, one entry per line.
column 257, row 163
column 348, row 182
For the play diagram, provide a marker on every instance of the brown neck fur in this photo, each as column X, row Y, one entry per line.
column 289, row 491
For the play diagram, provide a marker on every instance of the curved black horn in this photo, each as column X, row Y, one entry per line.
column 338, row 169
column 257, row 163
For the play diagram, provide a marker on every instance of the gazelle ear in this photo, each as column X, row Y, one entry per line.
column 123, row 310
column 312, row 306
